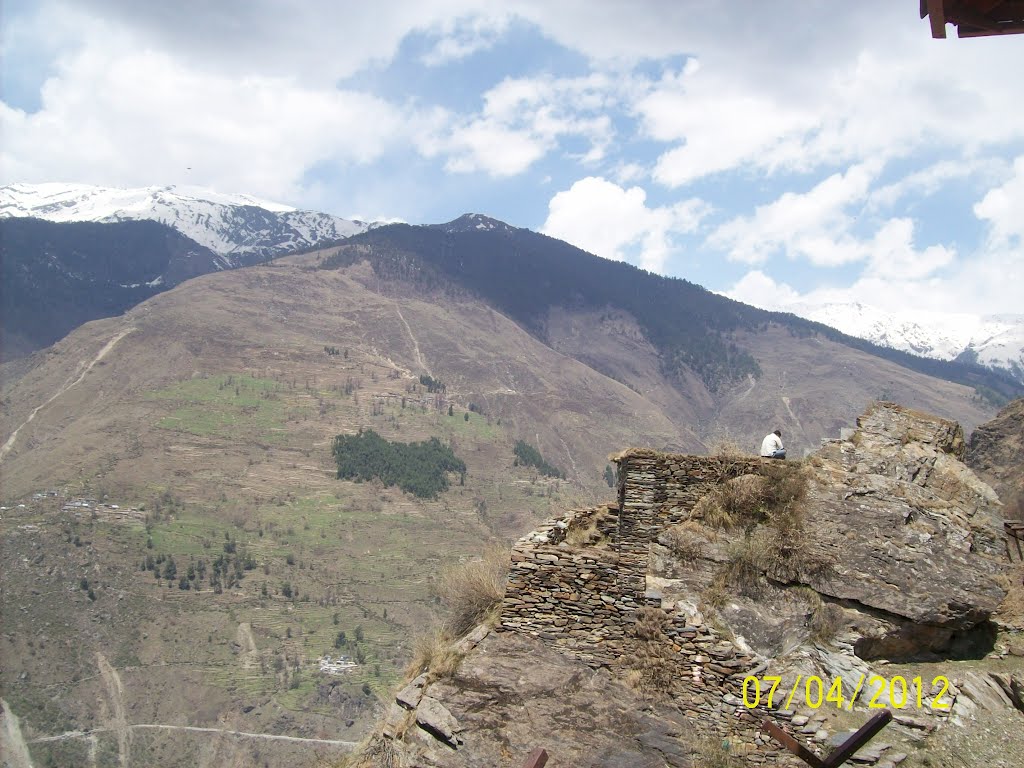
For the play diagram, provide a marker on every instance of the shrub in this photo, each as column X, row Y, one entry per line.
column 473, row 590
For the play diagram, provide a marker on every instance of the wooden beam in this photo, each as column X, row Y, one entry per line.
column 984, row 6
column 864, row 734
column 1015, row 28
column 937, row 18
column 973, row 19
column 537, row 759
column 791, row 744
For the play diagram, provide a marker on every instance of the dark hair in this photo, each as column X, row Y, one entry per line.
column 777, row 432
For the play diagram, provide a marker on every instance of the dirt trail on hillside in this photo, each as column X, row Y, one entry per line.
column 193, row 729
column 119, row 724
column 415, row 344
column 13, row 749
column 82, row 370
column 250, row 654
column 785, row 402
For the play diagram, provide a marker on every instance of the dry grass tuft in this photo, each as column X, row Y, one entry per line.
column 715, row 752
column 432, row 653
column 584, row 532
column 826, row 622
column 727, row 447
column 654, row 662
column 734, row 503
column 826, row 619
column 377, row 753
column 687, row 540
column 742, row 571
column 472, row 592
column 774, row 496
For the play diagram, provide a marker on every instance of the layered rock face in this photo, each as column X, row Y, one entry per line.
column 910, row 534
column 885, row 532
column 996, row 452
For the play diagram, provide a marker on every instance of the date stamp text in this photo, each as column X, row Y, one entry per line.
column 880, row 692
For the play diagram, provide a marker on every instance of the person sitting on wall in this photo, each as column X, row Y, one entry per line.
column 771, row 446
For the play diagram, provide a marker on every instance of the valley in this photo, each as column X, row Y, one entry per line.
column 197, row 429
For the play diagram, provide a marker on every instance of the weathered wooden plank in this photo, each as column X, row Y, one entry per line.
column 537, row 759
column 864, row 734
column 937, row 18
column 791, row 744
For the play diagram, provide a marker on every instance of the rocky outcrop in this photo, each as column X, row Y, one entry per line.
column 996, row 453
column 911, row 536
column 515, row 693
column 882, row 546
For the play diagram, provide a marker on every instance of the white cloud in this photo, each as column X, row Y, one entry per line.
column 139, row 118
column 893, row 256
column 813, row 225
column 1003, row 208
column 610, row 221
column 247, row 96
column 932, row 178
column 721, row 127
column 881, row 102
column 759, row 290
column 465, row 36
column 987, row 283
column 522, row 120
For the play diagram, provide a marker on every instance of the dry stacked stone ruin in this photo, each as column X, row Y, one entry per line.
column 894, row 489
column 579, row 582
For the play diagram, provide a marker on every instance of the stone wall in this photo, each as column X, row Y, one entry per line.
column 581, row 590
column 578, row 581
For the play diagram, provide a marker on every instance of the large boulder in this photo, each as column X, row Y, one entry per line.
column 909, row 534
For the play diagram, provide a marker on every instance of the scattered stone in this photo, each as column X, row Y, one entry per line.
column 409, row 697
column 433, row 717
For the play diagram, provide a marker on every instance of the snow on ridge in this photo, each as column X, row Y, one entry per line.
column 996, row 340
column 227, row 224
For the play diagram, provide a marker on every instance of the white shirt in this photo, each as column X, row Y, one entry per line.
column 770, row 444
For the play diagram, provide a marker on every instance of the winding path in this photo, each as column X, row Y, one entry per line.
column 7, row 446
column 196, row 729
column 415, row 344
column 15, row 751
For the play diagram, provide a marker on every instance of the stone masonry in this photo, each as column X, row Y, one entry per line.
column 584, row 598
column 578, row 581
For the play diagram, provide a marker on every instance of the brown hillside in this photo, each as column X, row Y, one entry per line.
column 199, row 425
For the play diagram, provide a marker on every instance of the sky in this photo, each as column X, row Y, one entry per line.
column 778, row 152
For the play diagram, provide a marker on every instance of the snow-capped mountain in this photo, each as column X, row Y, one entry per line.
column 242, row 228
column 995, row 341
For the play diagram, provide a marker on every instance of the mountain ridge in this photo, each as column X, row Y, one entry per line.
column 242, row 228
column 525, row 274
column 56, row 276
column 994, row 341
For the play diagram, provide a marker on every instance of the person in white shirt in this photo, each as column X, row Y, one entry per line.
column 771, row 446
